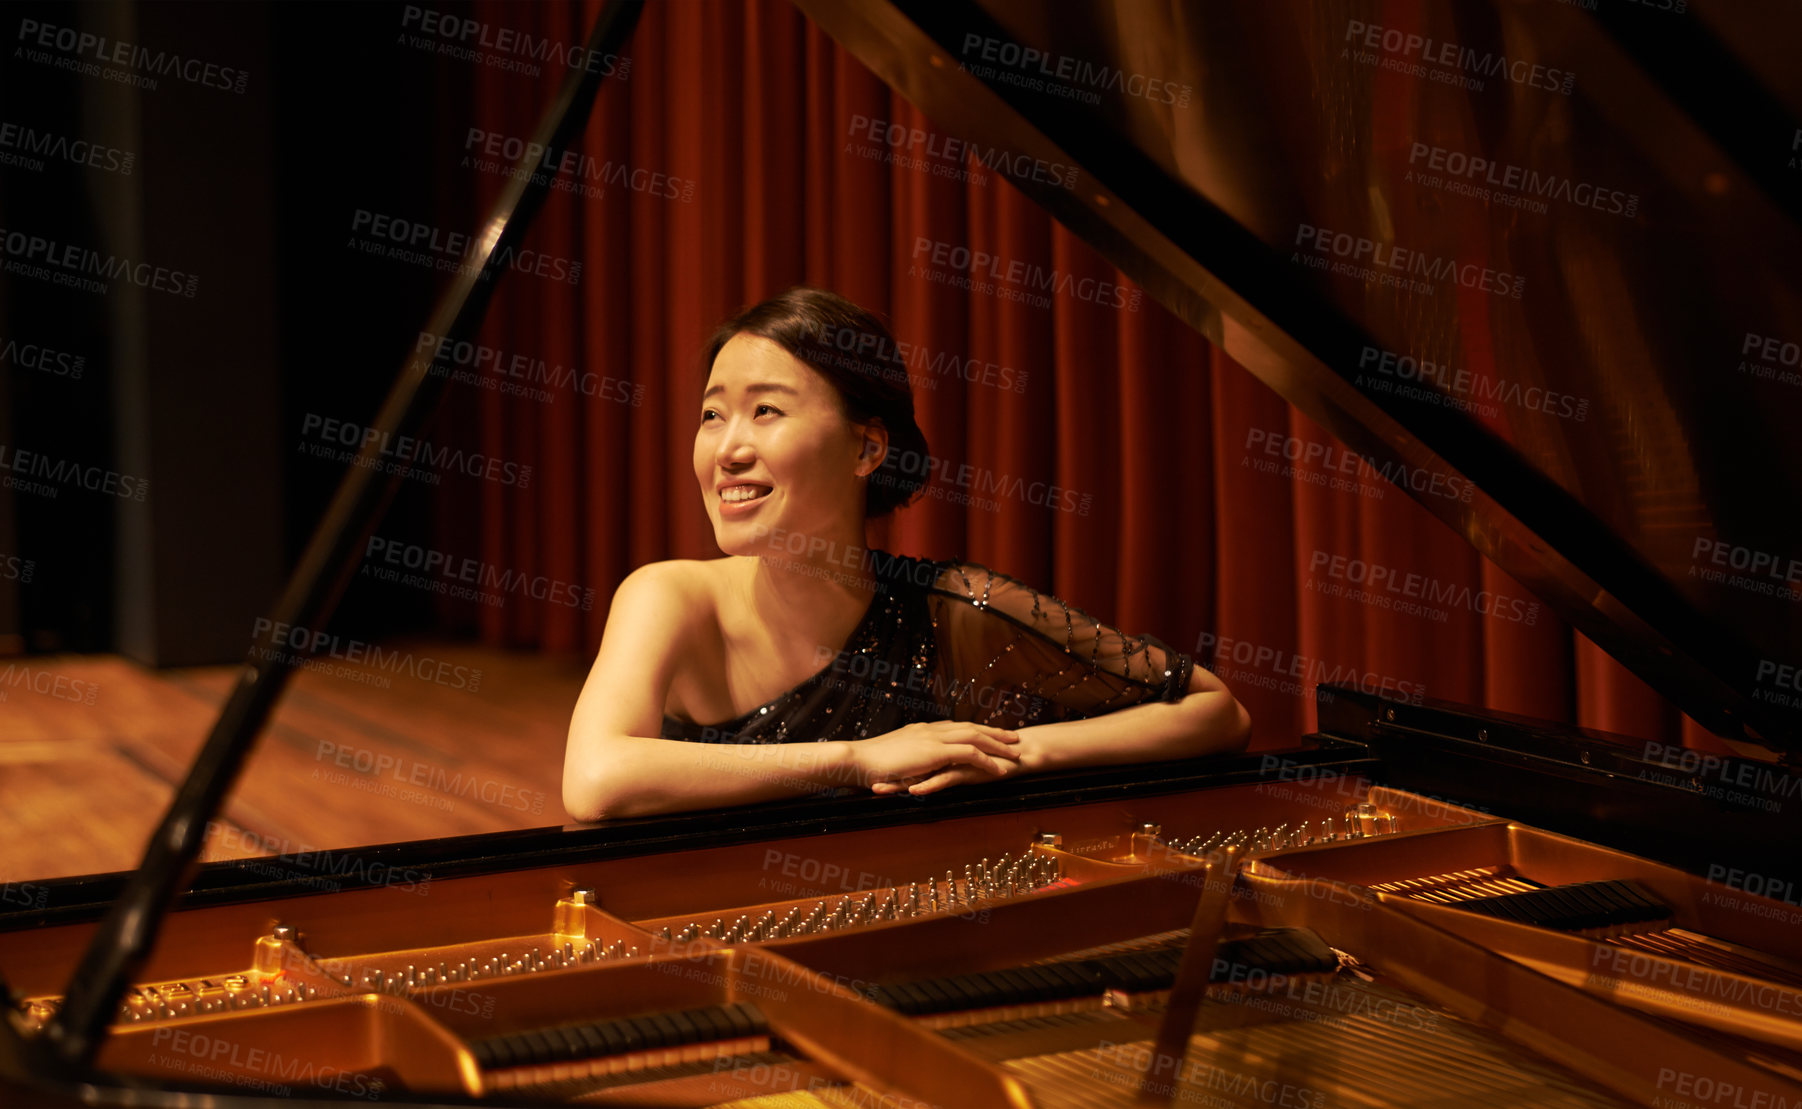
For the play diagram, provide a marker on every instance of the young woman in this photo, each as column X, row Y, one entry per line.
column 803, row 661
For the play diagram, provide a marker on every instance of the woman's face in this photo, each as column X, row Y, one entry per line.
column 775, row 455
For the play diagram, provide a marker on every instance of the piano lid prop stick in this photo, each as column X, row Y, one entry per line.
column 1163, row 1072
column 124, row 939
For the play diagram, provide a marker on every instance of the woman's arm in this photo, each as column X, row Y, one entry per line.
column 616, row 765
column 1208, row 720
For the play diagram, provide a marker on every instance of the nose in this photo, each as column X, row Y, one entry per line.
column 735, row 451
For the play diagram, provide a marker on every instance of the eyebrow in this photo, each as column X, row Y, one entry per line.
column 765, row 387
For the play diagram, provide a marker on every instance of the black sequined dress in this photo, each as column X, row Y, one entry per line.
column 955, row 640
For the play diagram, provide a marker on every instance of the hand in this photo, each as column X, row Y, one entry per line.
column 919, row 752
column 950, row 776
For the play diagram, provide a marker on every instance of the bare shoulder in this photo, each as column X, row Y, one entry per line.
column 683, row 590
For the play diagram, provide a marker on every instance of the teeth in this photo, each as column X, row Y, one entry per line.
column 742, row 493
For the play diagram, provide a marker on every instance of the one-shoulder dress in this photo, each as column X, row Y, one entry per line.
column 952, row 640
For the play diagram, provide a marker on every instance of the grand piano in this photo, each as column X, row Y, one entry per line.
column 1429, row 227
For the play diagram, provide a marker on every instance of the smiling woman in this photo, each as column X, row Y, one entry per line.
column 826, row 663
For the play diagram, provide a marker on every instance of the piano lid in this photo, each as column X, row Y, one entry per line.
column 1542, row 248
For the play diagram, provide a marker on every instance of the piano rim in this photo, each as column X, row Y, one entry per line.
column 81, row 899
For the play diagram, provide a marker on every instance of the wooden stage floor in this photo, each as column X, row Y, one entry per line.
column 92, row 747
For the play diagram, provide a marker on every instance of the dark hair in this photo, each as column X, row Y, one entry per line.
column 852, row 349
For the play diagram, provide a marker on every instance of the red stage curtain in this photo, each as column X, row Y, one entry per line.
column 1151, row 429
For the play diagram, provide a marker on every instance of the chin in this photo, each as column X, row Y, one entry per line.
column 741, row 538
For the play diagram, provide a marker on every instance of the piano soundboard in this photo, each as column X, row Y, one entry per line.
column 1365, row 946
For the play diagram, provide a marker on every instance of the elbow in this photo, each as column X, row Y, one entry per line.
column 590, row 796
column 594, row 787
column 583, row 799
column 1223, row 726
column 1236, row 735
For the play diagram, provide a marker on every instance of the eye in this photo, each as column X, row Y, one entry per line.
column 707, row 414
column 762, row 408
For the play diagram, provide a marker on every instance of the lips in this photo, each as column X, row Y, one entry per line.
column 743, row 493
column 742, row 498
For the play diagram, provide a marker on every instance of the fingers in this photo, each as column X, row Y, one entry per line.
column 959, row 730
column 1002, row 734
column 993, row 746
column 895, row 785
column 986, row 771
column 978, row 760
column 971, row 766
column 947, row 777
column 918, row 751
column 996, row 741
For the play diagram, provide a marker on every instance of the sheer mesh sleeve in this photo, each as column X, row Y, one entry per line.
column 1012, row 656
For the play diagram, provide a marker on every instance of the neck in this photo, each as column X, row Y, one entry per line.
column 811, row 587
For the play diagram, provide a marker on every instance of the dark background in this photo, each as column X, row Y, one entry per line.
column 254, row 192
column 754, row 106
